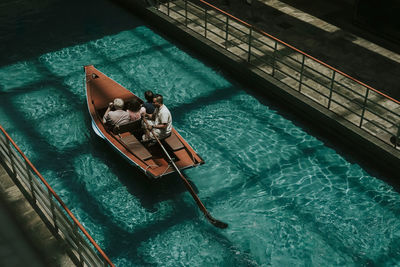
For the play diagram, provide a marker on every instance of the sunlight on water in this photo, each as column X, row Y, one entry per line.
column 288, row 198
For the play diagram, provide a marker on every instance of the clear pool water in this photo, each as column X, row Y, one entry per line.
column 289, row 199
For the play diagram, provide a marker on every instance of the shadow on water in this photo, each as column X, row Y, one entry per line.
column 32, row 28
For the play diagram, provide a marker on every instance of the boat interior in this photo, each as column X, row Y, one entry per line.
column 129, row 135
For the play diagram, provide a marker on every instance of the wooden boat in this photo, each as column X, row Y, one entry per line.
column 151, row 160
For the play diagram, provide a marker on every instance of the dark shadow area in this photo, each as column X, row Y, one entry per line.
column 185, row 108
column 17, row 247
column 29, row 29
column 375, row 21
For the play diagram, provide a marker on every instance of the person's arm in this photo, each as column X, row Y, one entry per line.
column 163, row 121
column 149, row 116
column 159, row 126
column 142, row 111
column 107, row 111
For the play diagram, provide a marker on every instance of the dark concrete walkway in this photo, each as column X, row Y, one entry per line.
column 25, row 240
column 325, row 30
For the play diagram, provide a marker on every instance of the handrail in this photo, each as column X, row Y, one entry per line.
column 299, row 51
column 58, row 198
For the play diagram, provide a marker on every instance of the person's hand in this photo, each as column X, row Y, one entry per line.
column 150, row 127
column 110, row 105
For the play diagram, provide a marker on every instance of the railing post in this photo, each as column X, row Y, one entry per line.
column 52, row 209
column 273, row 59
column 29, row 173
column 331, row 89
column 249, row 52
column 301, row 72
column 168, row 7
column 11, row 158
column 226, row 32
column 186, row 18
column 205, row 22
column 78, row 243
column 364, row 105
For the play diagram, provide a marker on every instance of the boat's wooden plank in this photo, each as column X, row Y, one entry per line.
column 136, row 147
column 184, row 159
column 173, row 142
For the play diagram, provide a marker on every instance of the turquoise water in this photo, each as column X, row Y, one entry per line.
column 288, row 198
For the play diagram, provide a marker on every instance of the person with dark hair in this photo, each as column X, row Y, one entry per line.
column 115, row 115
column 160, row 122
column 135, row 110
column 148, row 105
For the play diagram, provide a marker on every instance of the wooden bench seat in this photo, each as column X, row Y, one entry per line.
column 173, row 142
column 136, row 147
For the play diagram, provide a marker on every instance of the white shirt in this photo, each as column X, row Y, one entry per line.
column 163, row 116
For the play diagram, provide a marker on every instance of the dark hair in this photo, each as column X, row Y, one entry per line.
column 159, row 98
column 149, row 95
column 134, row 105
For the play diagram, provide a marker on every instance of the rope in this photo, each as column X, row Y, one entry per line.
column 169, row 165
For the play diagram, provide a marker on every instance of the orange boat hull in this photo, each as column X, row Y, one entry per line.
column 101, row 90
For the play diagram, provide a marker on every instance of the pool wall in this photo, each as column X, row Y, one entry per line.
column 381, row 155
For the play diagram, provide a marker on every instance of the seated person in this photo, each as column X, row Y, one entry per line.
column 135, row 110
column 115, row 115
column 148, row 105
column 160, row 122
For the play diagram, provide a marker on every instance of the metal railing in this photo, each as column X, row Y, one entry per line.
column 352, row 100
column 40, row 194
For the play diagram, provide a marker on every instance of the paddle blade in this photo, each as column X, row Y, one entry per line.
column 215, row 222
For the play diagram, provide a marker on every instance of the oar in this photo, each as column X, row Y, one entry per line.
column 212, row 220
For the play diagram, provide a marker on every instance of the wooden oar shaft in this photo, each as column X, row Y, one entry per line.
column 188, row 186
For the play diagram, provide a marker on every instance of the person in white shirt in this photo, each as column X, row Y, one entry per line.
column 160, row 121
column 117, row 116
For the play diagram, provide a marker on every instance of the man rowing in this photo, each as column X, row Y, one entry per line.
column 160, row 122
